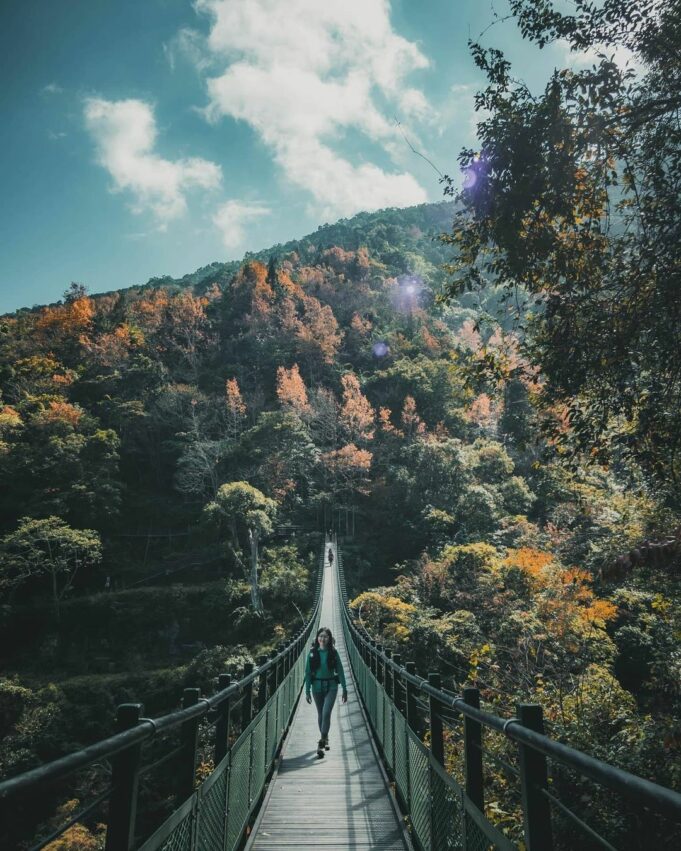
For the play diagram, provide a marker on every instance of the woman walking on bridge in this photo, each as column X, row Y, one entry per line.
column 323, row 674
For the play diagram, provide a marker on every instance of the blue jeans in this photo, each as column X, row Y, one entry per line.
column 325, row 702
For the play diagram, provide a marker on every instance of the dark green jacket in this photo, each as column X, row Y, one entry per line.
column 323, row 671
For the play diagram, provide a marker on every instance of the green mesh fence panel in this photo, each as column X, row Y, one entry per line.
column 211, row 824
column 237, row 800
column 401, row 756
column 446, row 815
column 419, row 778
column 181, row 837
column 475, row 838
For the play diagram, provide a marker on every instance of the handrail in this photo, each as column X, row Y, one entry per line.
column 662, row 799
column 534, row 742
column 125, row 743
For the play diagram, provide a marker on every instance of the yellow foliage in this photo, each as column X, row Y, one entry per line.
column 9, row 418
column 384, row 613
column 599, row 612
column 531, row 562
column 77, row 837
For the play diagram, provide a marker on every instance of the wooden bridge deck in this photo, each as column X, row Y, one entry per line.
column 343, row 800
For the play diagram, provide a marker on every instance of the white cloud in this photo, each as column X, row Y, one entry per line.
column 232, row 217
column 52, row 89
column 302, row 73
column 575, row 59
column 463, row 111
column 125, row 134
column 188, row 44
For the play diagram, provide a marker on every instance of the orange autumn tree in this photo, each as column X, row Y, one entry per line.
column 148, row 312
column 236, row 409
column 291, row 390
column 318, row 334
column 113, row 348
column 564, row 598
column 385, row 423
column 412, row 422
column 72, row 320
column 361, row 327
column 483, row 412
column 348, row 459
column 185, row 330
column 357, row 415
column 60, row 413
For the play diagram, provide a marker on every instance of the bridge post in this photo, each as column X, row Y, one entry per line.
column 222, row 725
column 412, row 717
column 273, row 674
column 373, row 658
column 534, row 778
column 189, row 737
column 247, row 704
column 390, row 688
column 120, row 831
column 436, row 741
column 398, row 692
column 380, row 665
column 472, row 736
column 280, row 664
column 388, row 675
column 262, row 682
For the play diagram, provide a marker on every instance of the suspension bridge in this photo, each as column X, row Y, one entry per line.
column 383, row 784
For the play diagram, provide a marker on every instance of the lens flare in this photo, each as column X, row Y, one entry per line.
column 470, row 178
column 380, row 349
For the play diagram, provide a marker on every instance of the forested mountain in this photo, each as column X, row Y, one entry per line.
column 170, row 455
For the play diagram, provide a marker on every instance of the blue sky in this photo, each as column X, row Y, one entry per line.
column 150, row 138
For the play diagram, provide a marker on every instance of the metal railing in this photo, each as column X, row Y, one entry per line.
column 445, row 815
column 212, row 815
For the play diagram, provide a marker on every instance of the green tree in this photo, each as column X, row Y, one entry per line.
column 47, row 546
column 571, row 198
column 250, row 515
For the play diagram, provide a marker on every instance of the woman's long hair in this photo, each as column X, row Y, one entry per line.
column 315, row 659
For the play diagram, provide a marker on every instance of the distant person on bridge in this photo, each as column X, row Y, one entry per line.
column 330, row 556
column 323, row 674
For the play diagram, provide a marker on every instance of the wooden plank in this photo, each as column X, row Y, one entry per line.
column 342, row 800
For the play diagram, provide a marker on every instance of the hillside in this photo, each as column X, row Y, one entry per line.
column 148, row 434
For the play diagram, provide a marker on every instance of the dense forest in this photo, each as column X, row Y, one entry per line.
column 487, row 414
column 151, row 437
